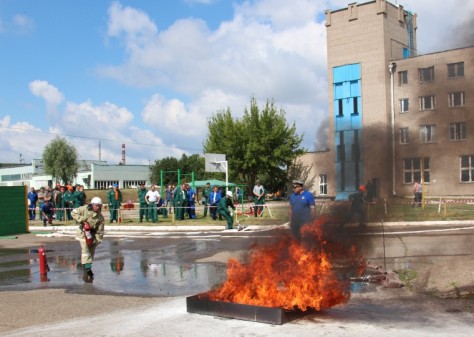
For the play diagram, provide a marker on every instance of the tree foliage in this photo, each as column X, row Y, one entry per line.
column 260, row 145
column 186, row 165
column 60, row 160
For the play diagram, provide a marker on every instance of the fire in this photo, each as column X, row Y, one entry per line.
column 288, row 274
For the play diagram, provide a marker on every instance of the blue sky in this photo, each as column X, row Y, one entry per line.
column 149, row 73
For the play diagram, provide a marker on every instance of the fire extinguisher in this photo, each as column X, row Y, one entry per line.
column 43, row 264
column 88, row 234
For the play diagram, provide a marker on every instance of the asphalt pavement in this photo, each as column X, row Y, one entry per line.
column 371, row 311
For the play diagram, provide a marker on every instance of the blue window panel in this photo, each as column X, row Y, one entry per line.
column 348, row 72
column 338, row 176
column 356, row 121
column 348, row 140
column 343, row 123
column 406, row 53
column 355, row 88
column 341, row 195
column 347, row 89
column 350, row 176
column 361, row 172
column 339, row 125
column 338, row 90
column 349, row 105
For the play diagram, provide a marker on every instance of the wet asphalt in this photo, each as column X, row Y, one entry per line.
column 434, row 260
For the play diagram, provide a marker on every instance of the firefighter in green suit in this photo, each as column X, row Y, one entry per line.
column 143, row 212
column 178, row 203
column 115, row 201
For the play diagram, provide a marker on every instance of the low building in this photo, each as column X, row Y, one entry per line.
column 93, row 174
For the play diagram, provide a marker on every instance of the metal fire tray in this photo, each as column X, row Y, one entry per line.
column 200, row 305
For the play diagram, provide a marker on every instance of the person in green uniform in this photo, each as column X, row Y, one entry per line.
column 79, row 196
column 115, row 202
column 223, row 209
column 143, row 212
column 68, row 201
column 110, row 199
column 206, row 193
column 179, row 199
column 58, row 202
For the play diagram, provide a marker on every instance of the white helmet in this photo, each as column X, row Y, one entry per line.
column 96, row 200
column 229, row 193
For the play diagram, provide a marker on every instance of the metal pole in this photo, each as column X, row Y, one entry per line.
column 391, row 67
column 383, row 240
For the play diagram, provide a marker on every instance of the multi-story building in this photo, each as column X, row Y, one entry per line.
column 394, row 114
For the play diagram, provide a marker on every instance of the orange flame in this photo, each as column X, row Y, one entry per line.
column 288, row 275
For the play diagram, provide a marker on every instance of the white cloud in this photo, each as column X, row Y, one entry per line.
column 172, row 116
column 23, row 23
column 52, row 96
column 268, row 51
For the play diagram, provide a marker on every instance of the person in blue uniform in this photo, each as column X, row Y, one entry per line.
column 191, row 195
column 302, row 208
column 214, row 198
column 33, row 198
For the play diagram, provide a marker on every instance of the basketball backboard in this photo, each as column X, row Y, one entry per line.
column 215, row 162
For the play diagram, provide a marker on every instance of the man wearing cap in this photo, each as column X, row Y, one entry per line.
column 302, row 208
column 223, row 209
column 91, row 223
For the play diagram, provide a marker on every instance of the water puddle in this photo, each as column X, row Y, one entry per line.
column 132, row 272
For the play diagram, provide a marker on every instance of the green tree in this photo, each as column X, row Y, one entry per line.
column 260, row 145
column 168, row 164
column 186, row 165
column 60, row 160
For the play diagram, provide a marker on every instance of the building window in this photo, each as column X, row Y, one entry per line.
column 456, row 70
column 404, row 105
column 457, row 131
column 402, row 77
column 413, row 167
column 323, row 184
column 426, row 74
column 427, row 133
column 355, row 110
column 456, row 99
column 133, row 183
column 404, row 136
column 427, row 102
column 467, row 169
column 104, row 184
column 340, row 105
column 341, row 149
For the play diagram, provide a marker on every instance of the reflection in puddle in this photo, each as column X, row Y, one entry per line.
column 125, row 272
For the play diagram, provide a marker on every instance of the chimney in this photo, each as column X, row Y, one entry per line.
column 123, row 154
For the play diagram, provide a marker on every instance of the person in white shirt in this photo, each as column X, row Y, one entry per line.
column 152, row 198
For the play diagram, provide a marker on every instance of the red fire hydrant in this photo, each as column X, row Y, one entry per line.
column 43, row 264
